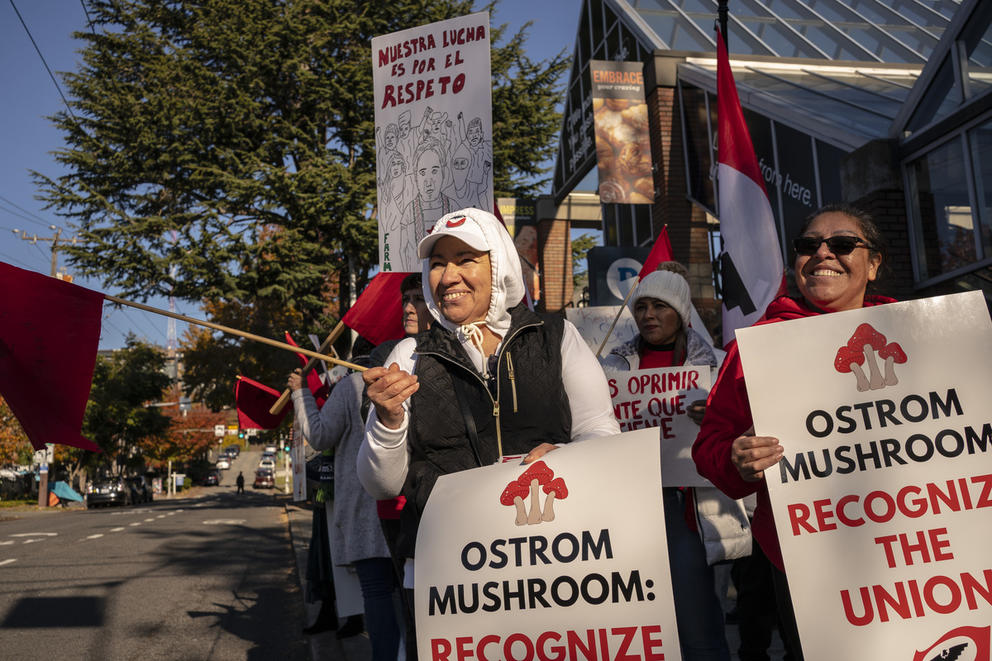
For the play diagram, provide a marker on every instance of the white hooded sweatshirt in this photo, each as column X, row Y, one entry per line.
column 383, row 459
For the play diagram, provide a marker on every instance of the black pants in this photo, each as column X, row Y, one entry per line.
column 391, row 530
column 757, row 606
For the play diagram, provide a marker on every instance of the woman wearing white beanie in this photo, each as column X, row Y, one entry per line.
column 661, row 307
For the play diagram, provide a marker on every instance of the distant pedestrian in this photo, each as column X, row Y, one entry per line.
column 240, row 481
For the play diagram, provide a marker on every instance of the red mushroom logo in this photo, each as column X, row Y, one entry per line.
column 530, row 483
column 860, row 352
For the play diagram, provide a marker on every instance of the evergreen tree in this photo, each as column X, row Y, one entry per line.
column 222, row 151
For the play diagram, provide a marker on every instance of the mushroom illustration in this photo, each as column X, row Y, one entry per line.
column 514, row 494
column 869, row 340
column 534, row 477
column 851, row 360
column 892, row 353
column 555, row 489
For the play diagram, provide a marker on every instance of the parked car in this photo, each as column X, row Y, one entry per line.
column 223, row 463
column 141, row 490
column 271, row 449
column 264, row 479
column 267, row 463
column 212, row 478
column 108, row 491
column 271, row 456
column 233, row 451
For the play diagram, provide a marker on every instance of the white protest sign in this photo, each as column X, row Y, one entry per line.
column 433, row 118
column 883, row 498
column 594, row 322
column 660, row 398
column 564, row 558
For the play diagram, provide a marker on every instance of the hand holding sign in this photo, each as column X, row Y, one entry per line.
column 752, row 454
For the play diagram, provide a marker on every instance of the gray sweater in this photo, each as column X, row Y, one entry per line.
column 354, row 525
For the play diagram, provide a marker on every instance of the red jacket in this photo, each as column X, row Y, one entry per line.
column 728, row 415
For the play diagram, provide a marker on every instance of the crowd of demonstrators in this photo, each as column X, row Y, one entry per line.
column 433, row 393
column 838, row 254
column 661, row 307
column 447, row 380
column 356, row 537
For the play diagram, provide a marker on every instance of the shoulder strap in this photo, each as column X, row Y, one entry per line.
column 473, row 435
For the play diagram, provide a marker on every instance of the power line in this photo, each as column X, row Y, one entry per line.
column 47, row 68
column 87, row 12
column 20, row 208
column 23, row 217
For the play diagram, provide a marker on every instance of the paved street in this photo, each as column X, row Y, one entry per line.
column 212, row 577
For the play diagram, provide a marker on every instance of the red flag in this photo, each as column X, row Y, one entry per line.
column 661, row 251
column 751, row 268
column 254, row 400
column 319, row 389
column 377, row 315
column 48, row 326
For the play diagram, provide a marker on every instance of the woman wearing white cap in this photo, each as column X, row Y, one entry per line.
column 661, row 307
column 489, row 379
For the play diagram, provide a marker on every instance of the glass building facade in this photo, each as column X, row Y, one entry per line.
column 819, row 80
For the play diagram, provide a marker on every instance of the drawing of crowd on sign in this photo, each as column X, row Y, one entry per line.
column 434, row 150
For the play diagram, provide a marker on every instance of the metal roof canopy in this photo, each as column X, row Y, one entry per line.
column 876, row 50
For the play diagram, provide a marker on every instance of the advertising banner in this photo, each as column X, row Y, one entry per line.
column 623, row 142
column 883, row 497
column 660, row 398
column 613, row 272
column 433, row 126
column 520, row 217
column 564, row 558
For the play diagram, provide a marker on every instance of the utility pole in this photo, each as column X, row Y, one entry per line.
column 34, row 238
column 721, row 14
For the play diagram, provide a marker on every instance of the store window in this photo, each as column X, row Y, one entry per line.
column 980, row 142
column 945, row 232
column 796, row 180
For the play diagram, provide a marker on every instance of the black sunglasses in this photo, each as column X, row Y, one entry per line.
column 838, row 245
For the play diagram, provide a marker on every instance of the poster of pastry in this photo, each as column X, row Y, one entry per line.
column 623, row 144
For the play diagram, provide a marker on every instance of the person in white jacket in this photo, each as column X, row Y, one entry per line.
column 523, row 382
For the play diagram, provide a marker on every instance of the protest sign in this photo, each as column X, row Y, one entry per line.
column 433, row 118
column 660, row 398
column 883, row 497
column 593, row 323
column 564, row 558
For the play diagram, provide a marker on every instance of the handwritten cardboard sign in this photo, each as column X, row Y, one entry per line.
column 883, row 498
column 659, row 398
column 433, row 118
column 564, row 558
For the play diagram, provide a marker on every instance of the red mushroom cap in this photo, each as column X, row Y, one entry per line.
column 512, row 491
column 538, row 471
column 865, row 334
column 847, row 355
column 558, row 486
column 894, row 351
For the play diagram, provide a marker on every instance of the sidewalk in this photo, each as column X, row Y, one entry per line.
column 327, row 647
column 323, row 646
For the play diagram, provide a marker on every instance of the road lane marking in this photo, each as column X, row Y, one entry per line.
column 160, row 516
column 7, row 543
column 34, row 534
column 116, row 529
column 7, row 561
column 151, row 519
column 32, row 541
column 220, row 522
column 96, row 536
column 136, row 523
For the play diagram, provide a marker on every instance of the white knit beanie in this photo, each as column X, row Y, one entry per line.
column 668, row 287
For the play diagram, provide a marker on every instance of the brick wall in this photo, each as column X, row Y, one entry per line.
column 555, row 250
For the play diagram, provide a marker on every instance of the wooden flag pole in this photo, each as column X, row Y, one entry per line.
column 233, row 331
column 331, row 339
column 617, row 318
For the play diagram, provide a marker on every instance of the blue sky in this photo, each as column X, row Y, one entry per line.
column 28, row 138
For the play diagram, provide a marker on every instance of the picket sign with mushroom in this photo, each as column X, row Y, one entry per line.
column 892, row 353
column 851, row 360
column 869, row 341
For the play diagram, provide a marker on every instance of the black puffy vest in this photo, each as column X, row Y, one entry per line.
column 533, row 406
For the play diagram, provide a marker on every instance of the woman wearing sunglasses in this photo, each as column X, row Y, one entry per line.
column 838, row 253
